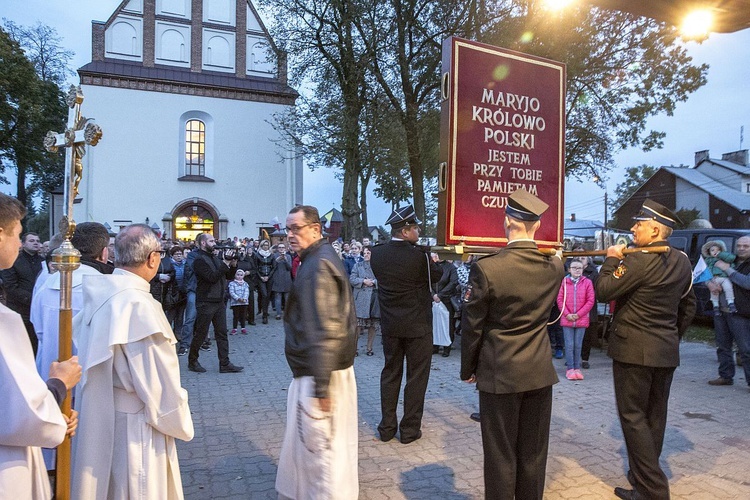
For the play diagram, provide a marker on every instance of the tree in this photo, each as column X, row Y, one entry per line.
column 33, row 105
column 404, row 39
column 329, row 58
column 621, row 70
column 687, row 216
column 43, row 47
column 635, row 177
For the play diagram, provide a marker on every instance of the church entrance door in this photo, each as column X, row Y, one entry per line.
column 192, row 219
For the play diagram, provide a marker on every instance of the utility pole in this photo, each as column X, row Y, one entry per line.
column 606, row 221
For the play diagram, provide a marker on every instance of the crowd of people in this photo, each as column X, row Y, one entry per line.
column 139, row 302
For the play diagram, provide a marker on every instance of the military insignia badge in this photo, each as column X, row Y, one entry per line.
column 620, row 271
column 467, row 294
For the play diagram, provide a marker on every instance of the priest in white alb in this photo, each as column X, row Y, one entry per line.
column 31, row 415
column 132, row 406
column 91, row 240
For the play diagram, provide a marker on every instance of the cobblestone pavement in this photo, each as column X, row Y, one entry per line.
column 239, row 425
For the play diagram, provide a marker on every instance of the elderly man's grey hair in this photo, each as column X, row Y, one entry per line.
column 134, row 244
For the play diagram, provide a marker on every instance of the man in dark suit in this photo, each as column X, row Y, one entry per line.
column 505, row 349
column 404, row 272
column 655, row 304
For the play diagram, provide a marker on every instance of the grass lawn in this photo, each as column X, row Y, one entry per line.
column 700, row 331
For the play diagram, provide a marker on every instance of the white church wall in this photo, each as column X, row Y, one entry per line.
column 172, row 44
column 123, row 39
column 133, row 173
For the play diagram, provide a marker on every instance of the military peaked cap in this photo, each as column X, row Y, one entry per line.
column 652, row 210
column 404, row 216
column 525, row 206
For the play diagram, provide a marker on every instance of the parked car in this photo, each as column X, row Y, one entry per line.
column 690, row 241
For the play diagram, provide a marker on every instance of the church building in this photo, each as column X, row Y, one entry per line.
column 186, row 93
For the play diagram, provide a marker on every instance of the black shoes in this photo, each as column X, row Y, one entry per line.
column 265, row 320
column 721, row 381
column 385, row 437
column 230, row 368
column 182, row 351
column 627, row 494
column 206, row 346
column 446, row 351
column 196, row 367
column 585, row 365
column 407, row 440
column 476, row 417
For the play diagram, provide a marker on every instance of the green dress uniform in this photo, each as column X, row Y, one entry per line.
column 505, row 344
column 654, row 306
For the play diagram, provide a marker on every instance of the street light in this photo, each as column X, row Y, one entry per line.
column 603, row 184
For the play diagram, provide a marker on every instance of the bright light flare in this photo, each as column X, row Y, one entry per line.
column 556, row 4
column 697, row 24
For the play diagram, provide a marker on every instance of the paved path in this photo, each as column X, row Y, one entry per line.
column 239, row 424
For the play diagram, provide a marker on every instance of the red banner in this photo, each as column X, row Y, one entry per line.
column 502, row 129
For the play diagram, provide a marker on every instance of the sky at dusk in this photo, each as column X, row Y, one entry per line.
column 710, row 119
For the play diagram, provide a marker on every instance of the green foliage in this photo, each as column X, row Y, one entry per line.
column 39, row 224
column 33, row 104
column 635, row 177
column 370, row 74
column 687, row 215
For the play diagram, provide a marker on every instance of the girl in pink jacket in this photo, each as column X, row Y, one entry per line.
column 575, row 300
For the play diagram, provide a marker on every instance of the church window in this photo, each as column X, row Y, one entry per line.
column 195, row 148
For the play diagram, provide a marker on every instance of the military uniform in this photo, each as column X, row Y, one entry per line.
column 655, row 304
column 505, row 344
column 404, row 272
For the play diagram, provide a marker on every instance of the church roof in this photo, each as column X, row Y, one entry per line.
column 135, row 70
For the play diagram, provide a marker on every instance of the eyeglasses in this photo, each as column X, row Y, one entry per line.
column 297, row 229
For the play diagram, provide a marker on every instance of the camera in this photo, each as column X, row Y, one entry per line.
column 226, row 252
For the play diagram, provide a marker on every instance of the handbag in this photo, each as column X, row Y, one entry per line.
column 374, row 304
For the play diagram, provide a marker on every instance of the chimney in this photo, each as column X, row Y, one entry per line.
column 738, row 157
column 700, row 156
column 572, row 217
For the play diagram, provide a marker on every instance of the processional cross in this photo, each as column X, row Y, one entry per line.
column 79, row 133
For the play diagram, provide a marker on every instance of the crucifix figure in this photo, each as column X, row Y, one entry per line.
column 80, row 132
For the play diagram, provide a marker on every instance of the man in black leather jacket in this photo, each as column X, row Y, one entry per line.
column 319, row 453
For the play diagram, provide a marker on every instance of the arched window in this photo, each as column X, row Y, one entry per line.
column 195, row 148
